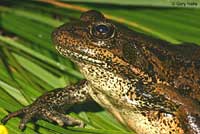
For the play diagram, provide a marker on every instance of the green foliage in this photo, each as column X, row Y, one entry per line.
column 30, row 66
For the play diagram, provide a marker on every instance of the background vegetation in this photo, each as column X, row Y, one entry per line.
column 30, row 65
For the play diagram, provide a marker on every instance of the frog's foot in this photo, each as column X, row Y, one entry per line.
column 33, row 112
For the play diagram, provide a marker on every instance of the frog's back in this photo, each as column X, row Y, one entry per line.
column 187, row 70
column 179, row 65
column 182, row 69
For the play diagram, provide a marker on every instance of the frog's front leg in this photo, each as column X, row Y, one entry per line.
column 50, row 106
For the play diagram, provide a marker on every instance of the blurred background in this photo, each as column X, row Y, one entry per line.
column 30, row 65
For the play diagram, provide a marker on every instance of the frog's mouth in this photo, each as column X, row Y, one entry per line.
column 82, row 54
column 90, row 54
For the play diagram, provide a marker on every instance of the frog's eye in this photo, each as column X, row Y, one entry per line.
column 102, row 30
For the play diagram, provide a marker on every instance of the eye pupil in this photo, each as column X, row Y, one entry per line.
column 102, row 28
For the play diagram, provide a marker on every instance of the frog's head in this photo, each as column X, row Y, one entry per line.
column 95, row 40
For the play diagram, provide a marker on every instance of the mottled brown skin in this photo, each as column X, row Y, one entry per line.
column 149, row 85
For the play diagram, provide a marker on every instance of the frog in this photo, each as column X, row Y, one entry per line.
column 149, row 85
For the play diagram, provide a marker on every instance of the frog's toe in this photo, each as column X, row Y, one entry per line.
column 61, row 119
column 24, row 121
column 68, row 120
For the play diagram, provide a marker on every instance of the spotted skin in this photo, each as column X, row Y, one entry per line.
column 148, row 84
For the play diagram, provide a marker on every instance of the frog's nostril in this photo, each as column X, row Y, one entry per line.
column 92, row 15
